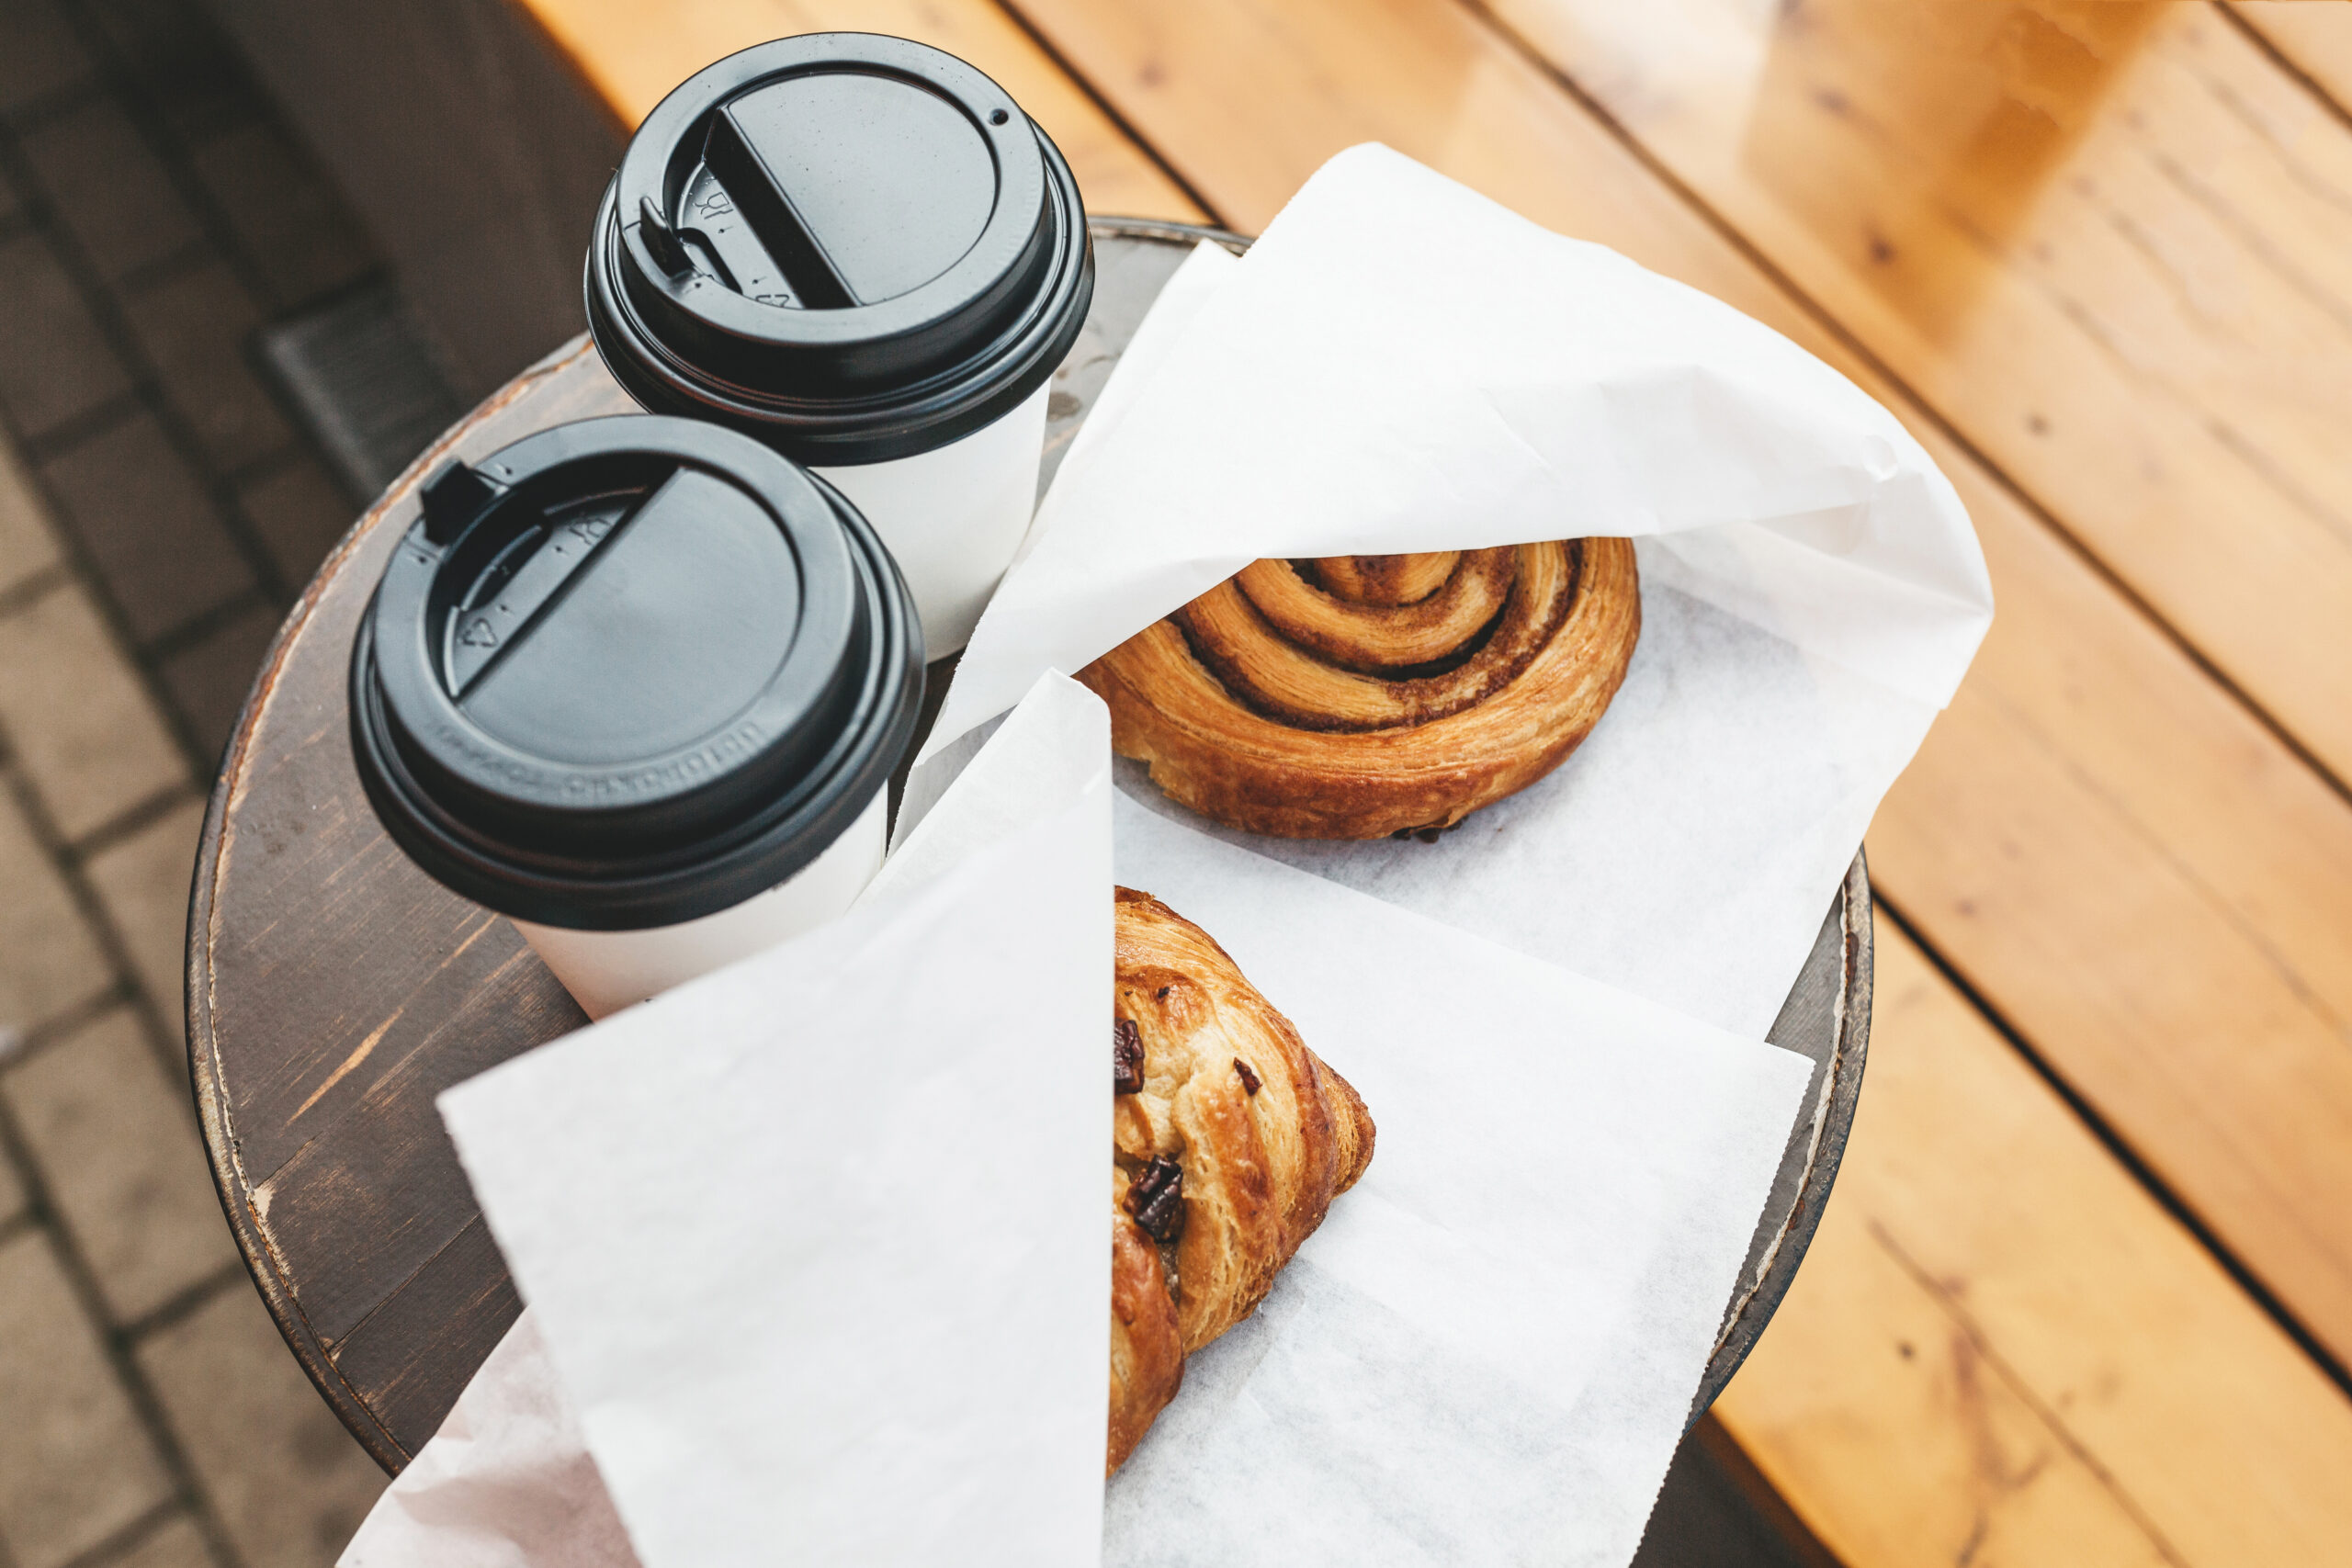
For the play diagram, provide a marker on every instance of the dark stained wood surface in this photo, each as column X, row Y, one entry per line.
column 2085, row 1295
column 333, row 989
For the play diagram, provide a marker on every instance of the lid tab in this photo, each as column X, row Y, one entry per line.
column 662, row 241
column 454, row 496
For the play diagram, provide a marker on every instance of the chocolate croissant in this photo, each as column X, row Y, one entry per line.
column 1231, row 1138
column 1360, row 696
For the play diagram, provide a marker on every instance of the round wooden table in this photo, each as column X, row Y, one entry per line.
column 333, row 989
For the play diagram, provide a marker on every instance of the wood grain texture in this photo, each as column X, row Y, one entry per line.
column 2315, row 38
column 315, row 1074
column 634, row 54
column 1997, row 150
column 2110, row 242
column 365, row 1241
column 2000, row 1350
column 342, row 1185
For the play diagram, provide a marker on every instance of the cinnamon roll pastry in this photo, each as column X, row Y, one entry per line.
column 1359, row 696
column 1231, row 1138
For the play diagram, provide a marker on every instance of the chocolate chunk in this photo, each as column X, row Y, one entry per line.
column 1126, row 1056
column 1162, row 995
column 1156, row 1199
column 1249, row 1078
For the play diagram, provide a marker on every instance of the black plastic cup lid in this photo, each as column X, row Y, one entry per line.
column 629, row 672
column 852, row 247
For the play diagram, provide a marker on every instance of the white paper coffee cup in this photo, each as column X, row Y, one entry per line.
column 953, row 517
column 859, row 251
column 606, row 971
column 637, row 684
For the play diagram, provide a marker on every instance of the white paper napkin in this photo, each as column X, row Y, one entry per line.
column 816, row 1242
column 1401, row 365
column 1484, row 1356
column 1487, row 1353
column 506, row 1482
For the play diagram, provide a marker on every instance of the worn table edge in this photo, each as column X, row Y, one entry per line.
column 1752, row 1305
column 214, row 846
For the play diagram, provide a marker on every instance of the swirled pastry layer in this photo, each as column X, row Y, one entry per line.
column 1358, row 696
column 1231, row 1138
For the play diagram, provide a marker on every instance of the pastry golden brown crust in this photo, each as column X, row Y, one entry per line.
column 1261, row 1134
column 1389, row 693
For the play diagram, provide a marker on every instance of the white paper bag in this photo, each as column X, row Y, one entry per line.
column 816, row 1242
column 1400, row 364
column 1486, row 1354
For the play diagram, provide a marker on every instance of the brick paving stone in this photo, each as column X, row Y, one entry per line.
column 158, row 542
column 48, row 959
column 54, row 363
column 108, row 189
column 291, row 221
column 27, row 543
column 300, row 512
column 176, row 1543
column 40, row 57
column 142, row 881
column 194, row 327
column 184, row 69
column 289, row 1483
column 209, row 682
column 117, row 1143
column 81, row 726
column 12, row 1185
column 75, row 1464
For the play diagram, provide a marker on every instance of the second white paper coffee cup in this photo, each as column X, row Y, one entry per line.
column 954, row 517
column 637, row 684
column 859, row 251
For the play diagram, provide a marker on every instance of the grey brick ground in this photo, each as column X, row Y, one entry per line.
column 143, row 880
column 51, row 963
column 173, row 1542
column 290, row 1484
column 193, row 327
column 209, row 681
column 114, row 1137
column 79, row 720
column 39, row 55
column 55, row 364
column 12, row 1198
column 28, row 546
column 150, row 525
column 75, row 1462
column 122, row 207
column 158, row 511
column 298, row 511
column 291, row 221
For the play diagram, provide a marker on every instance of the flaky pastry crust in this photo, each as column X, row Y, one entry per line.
column 1264, row 1133
column 1388, row 695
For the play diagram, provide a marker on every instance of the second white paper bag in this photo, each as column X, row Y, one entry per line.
column 1400, row 364
column 816, row 1243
